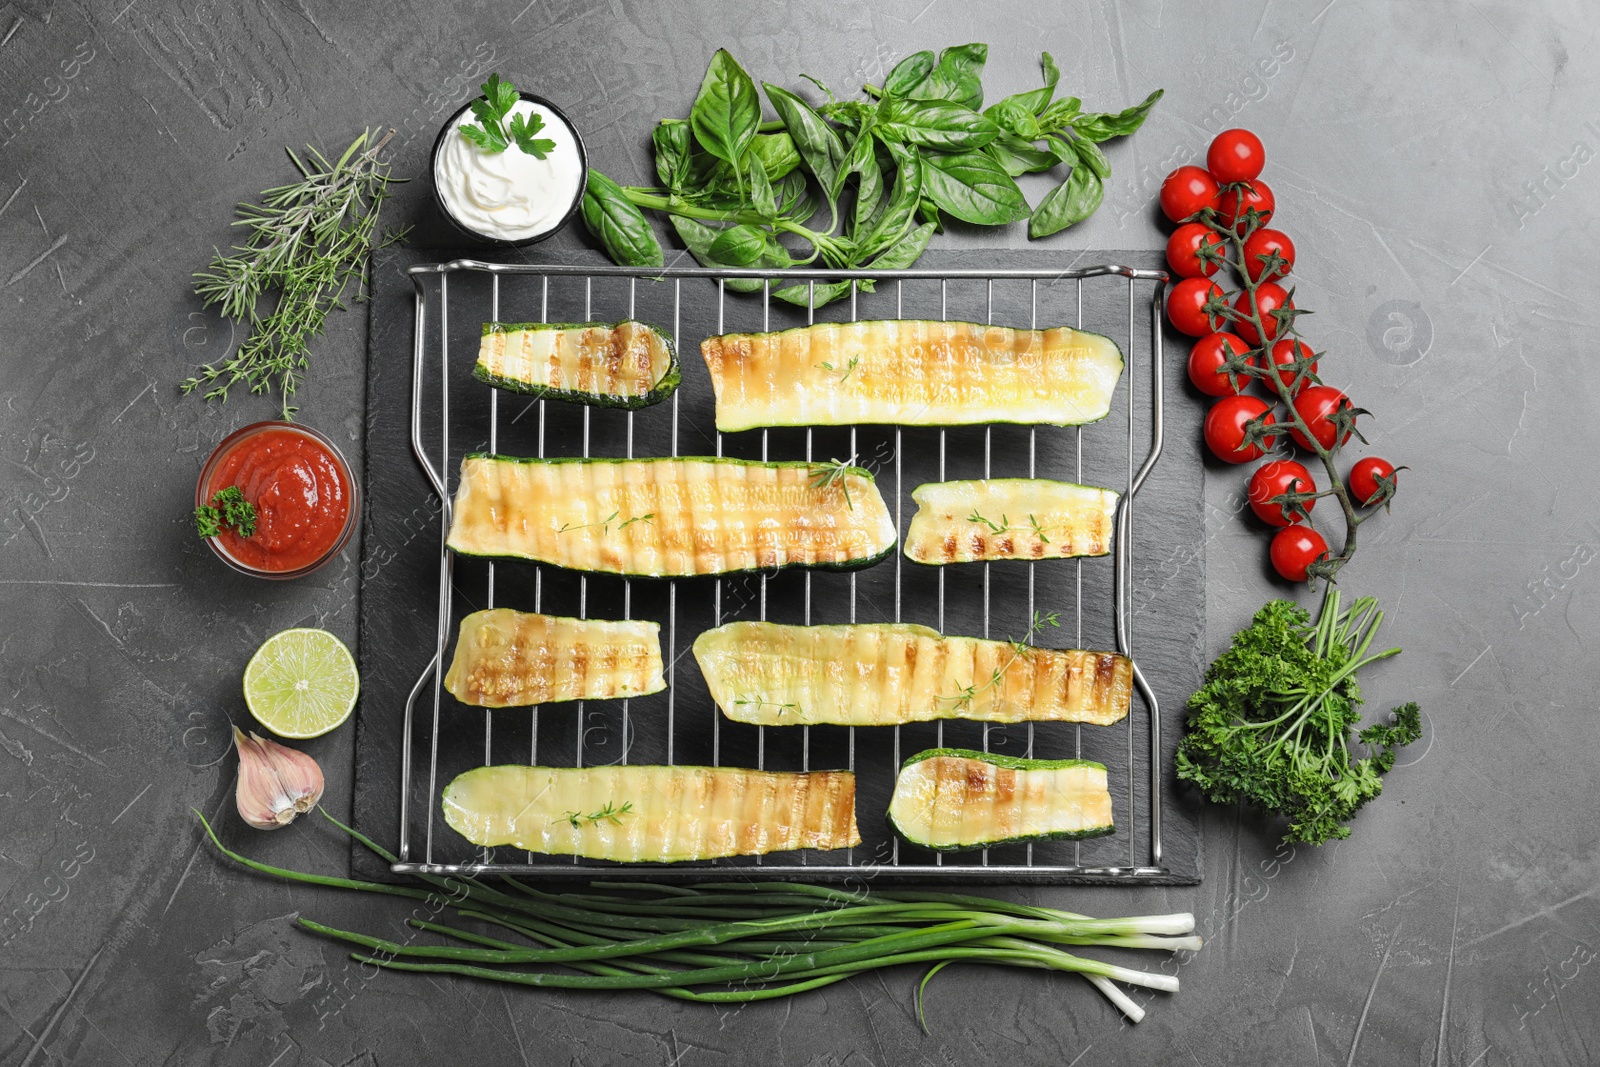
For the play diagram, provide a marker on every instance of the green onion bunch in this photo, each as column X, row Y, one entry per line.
column 734, row 942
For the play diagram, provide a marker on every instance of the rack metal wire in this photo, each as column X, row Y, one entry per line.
column 432, row 294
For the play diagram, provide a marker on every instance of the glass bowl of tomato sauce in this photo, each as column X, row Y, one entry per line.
column 307, row 503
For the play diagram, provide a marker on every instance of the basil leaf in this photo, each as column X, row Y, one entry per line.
column 726, row 112
column 1062, row 150
column 776, row 152
column 825, row 292
column 897, row 217
column 698, row 238
column 1013, row 116
column 790, row 193
column 859, row 156
column 973, row 187
column 938, row 124
column 1019, row 156
column 909, row 73
column 1103, row 127
column 957, row 78
column 618, row 225
column 761, row 189
column 869, row 189
column 928, row 212
column 740, row 245
column 1070, row 202
column 1059, row 114
column 905, row 251
column 1090, row 153
column 671, row 137
column 813, row 138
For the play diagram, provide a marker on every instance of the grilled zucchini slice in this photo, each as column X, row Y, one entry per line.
column 616, row 365
column 1009, row 518
column 913, row 373
column 653, row 814
column 953, row 798
column 507, row 658
column 669, row 518
column 885, row 674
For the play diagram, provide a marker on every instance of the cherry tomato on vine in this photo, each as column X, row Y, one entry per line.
column 1233, row 203
column 1205, row 364
column 1294, row 549
column 1264, row 242
column 1285, row 353
column 1274, row 478
column 1316, row 405
column 1235, row 156
column 1269, row 296
column 1186, row 190
column 1225, row 427
column 1186, row 305
column 1363, row 480
column 1183, row 250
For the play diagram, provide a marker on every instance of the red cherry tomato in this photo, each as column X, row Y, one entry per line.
column 1183, row 250
column 1295, row 548
column 1269, row 297
column 1205, row 364
column 1363, row 480
column 1236, row 156
column 1286, row 352
column 1225, row 428
column 1274, row 478
column 1187, row 190
column 1261, row 243
column 1233, row 203
column 1186, row 305
column 1316, row 405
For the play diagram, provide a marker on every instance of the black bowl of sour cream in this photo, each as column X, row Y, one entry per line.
column 510, row 198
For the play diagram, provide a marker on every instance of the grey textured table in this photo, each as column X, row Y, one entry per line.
column 1431, row 161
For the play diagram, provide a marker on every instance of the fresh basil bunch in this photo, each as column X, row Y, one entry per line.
column 885, row 167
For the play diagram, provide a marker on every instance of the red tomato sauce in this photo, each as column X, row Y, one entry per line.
column 301, row 496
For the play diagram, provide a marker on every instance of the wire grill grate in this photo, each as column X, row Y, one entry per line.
column 438, row 734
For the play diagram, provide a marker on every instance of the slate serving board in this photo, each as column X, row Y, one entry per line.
column 399, row 573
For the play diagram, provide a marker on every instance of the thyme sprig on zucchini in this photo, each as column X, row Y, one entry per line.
column 741, row 191
column 730, row 942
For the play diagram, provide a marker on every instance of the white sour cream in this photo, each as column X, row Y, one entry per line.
column 510, row 195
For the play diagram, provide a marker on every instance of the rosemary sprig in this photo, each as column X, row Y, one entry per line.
column 614, row 814
column 1020, row 649
column 308, row 243
column 831, row 473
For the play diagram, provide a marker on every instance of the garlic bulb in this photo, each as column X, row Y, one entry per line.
column 276, row 782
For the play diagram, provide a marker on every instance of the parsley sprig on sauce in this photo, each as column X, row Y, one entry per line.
column 228, row 509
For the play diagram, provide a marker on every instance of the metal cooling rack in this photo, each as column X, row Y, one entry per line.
column 420, row 755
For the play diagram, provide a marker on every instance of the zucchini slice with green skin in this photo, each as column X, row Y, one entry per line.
column 954, row 798
column 1009, row 518
column 507, row 658
column 886, row 674
column 669, row 518
column 615, row 365
column 653, row 814
column 911, row 373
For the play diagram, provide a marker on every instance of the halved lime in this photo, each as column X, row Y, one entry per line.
column 301, row 683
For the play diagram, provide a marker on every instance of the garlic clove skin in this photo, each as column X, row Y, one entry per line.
column 276, row 782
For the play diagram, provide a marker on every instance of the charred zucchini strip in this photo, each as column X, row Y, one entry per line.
column 653, row 814
column 669, row 517
column 912, row 373
column 623, row 365
column 952, row 798
column 508, row 658
column 1009, row 518
column 885, row 674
